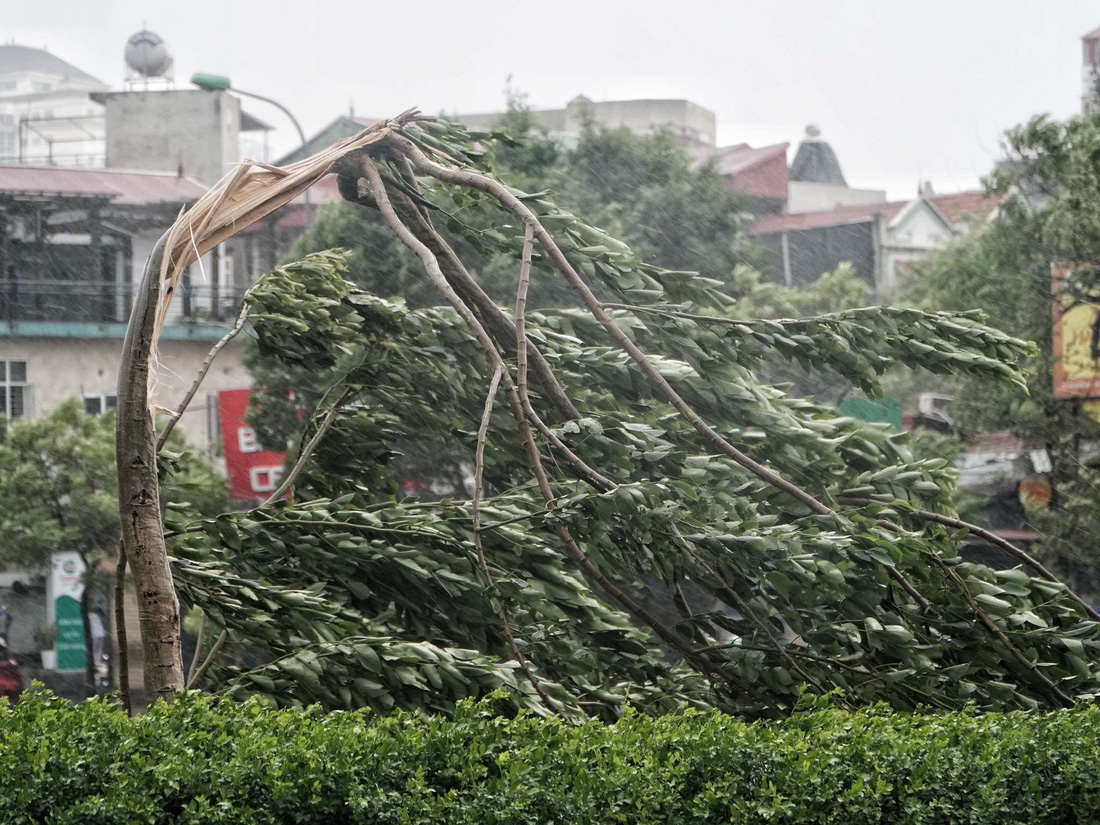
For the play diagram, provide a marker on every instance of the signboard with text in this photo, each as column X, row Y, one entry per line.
column 254, row 473
column 64, row 590
column 1076, row 341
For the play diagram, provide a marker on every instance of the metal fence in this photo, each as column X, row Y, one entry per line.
column 107, row 302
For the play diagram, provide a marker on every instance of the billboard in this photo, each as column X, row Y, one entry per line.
column 1076, row 341
column 254, row 473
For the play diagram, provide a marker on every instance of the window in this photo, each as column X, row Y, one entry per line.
column 14, row 392
column 99, row 404
column 40, row 87
column 7, row 119
column 8, row 85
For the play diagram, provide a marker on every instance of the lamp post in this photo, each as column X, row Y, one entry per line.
column 220, row 83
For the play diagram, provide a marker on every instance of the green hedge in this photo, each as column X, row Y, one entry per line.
column 204, row 761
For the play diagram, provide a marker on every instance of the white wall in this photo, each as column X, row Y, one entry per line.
column 914, row 233
column 806, row 196
column 63, row 368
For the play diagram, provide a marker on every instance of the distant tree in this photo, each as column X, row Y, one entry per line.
column 1051, row 182
column 59, row 491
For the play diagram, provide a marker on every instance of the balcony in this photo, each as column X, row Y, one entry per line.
column 101, row 309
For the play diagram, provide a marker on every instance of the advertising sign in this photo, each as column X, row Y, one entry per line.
column 1076, row 342
column 63, row 592
column 253, row 473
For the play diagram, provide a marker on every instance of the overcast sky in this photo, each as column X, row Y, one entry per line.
column 900, row 89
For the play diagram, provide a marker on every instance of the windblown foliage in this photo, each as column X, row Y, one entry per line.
column 789, row 540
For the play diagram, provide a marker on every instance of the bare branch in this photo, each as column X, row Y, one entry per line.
column 307, row 451
column 586, row 472
column 479, row 486
column 242, row 316
column 431, row 267
column 196, row 675
column 463, row 177
column 200, row 643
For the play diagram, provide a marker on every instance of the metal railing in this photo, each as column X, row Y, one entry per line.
column 107, row 302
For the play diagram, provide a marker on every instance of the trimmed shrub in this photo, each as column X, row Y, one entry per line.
column 207, row 760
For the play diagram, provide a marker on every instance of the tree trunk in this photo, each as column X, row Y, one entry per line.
column 139, row 495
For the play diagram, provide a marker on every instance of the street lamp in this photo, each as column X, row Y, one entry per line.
column 221, row 83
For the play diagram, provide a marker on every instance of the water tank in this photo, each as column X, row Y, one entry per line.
column 147, row 54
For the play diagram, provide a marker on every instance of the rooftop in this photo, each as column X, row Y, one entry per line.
column 953, row 207
column 732, row 160
column 15, row 59
column 121, row 187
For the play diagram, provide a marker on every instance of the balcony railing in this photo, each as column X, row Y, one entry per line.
column 107, row 302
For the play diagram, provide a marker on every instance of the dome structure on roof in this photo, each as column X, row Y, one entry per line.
column 815, row 161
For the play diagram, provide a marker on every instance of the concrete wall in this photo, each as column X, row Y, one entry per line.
column 694, row 126
column 806, row 196
column 63, row 368
column 162, row 130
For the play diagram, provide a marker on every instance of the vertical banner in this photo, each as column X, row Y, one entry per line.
column 253, row 473
column 1076, row 341
column 63, row 592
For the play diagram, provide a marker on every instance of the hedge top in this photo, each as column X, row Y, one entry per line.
column 205, row 760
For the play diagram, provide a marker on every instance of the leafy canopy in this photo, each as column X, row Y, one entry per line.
column 360, row 597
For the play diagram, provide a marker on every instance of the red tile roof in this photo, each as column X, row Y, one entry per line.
column 953, row 207
column 121, row 187
column 1092, row 35
column 732, row 160
column 963, row 204
column 839, row 216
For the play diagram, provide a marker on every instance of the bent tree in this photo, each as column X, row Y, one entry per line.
column 621, row 442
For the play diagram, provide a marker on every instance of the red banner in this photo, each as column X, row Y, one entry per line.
column 254, row 473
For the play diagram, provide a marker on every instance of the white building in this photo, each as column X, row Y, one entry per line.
column 73, row 243
column 46, row 114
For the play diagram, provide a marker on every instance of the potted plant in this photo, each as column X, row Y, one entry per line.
column 46, row 638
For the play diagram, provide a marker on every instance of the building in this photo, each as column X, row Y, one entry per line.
column 814, row 180
column 1090, row 69
column 693, row 126
column 46, row 112
column 196, row 131
column 880, row 240
column 812, row 221
column 73, row 243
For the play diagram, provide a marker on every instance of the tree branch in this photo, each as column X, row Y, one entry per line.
column 479, row 484
column 1017, row 654
column 513, row 204
column 431, row 267
column 210, row 356
column 122, row 652
column 307, row 451
column 1017, row 553
column 196, row 675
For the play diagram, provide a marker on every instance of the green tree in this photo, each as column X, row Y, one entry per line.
column 59, row 492
column 637, row 442
column 1050, row 181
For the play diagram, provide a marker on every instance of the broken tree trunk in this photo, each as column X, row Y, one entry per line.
column 139, row 494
